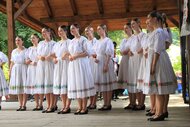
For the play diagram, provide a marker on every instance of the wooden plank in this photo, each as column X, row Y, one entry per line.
column 105, row 16
column 48, row 8
column 174, row 21
column 154, row 4
column 22, row 8
column 74, row 7
column 127, row 7
column 100, row 6
column 10, row 26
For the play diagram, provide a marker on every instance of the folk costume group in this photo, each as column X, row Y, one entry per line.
column 82, row 67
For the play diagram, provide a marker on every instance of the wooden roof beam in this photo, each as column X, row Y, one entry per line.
column 100, row 6
column 22, row 8
column 74, row 7
column 48, row 8
column 154, row 4
column 174, row 21
column 105, row 16
column 127, row 7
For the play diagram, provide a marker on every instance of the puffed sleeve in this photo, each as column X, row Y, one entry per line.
column 85, row 47
column 158, row 47
column 109, row 48
column 122, row 48
column 12, row 55
column 3, row 57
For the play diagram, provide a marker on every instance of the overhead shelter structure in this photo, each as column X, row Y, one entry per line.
column 114, row 13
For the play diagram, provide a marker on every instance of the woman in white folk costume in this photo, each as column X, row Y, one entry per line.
column 136, row 53
column 61, row 61
column 168, row 42
column 4, row 89
column 160, row 78
column 89, row 31
column 18, row 70
column 81, row 82
column 105, row 78
column 31, row 61
column 45, row 66
column 123, row 69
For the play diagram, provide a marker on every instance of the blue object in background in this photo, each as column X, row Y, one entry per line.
column 125, row 92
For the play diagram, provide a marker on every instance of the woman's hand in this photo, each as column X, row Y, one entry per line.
column 42, row 58
column 28, row 61
column 105, row 68
column 152, row 70
column 55, row 60
column 130, row 53
column 96, row 61
column 48, row 58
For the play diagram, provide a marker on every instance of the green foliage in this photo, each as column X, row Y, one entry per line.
column 177, row 64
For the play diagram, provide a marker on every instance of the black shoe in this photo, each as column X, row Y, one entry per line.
column 159, row 118
column 105, row 108
column 40, row 108
column 60, row 112
column 0, row 107
column 44, row 111
column 51, row 110
column 138, row 108
column 23, row 108
column 19, row 108
column 34, row 109
column 148, row 110
column 150, row 114
column 92, row 107
column 83, row 113
column 66, row 111
column 55, row 108
column 77, row 112
column 130, row 106
column 166, row 114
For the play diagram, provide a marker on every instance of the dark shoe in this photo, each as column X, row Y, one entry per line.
column 66, row 111
column 130, row 106
column 166, row 114
column 19, row 108
column 92, row 107
column 77, row 112
column 44, row 111
column 34, row 109
column 138, row 108
column 51, row 110
column 60, row 112
column 23, row 108
column 148, row 110
column 150, row 114
column 55, row 108
column 83, row 113
column 105, row 108
column 159, row 118
column 40, row 108
column 0, row 107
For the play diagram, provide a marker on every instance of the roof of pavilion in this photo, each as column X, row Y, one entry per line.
column 113, row 13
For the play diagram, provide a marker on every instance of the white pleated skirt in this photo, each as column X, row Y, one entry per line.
column 134, row 63
column 105, row 81
column 164, row 80
column 80, row 79
column 60, row 81
column 18, row 79
column 4, row 89
column 44, row 77
column 123, row 72
column 31, row 80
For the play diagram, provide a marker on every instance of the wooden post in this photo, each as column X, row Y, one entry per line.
column 183, row 48
column 188, row 49
column 11, row 30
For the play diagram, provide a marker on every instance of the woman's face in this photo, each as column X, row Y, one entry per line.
column 18, row 41
column 34, row 39
column 127, row 29
column 100, row 31
column 45, row 34
column 88, row 32
column 134, row 25
column 61, row 32
column 74, row 30
column 151, row 20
